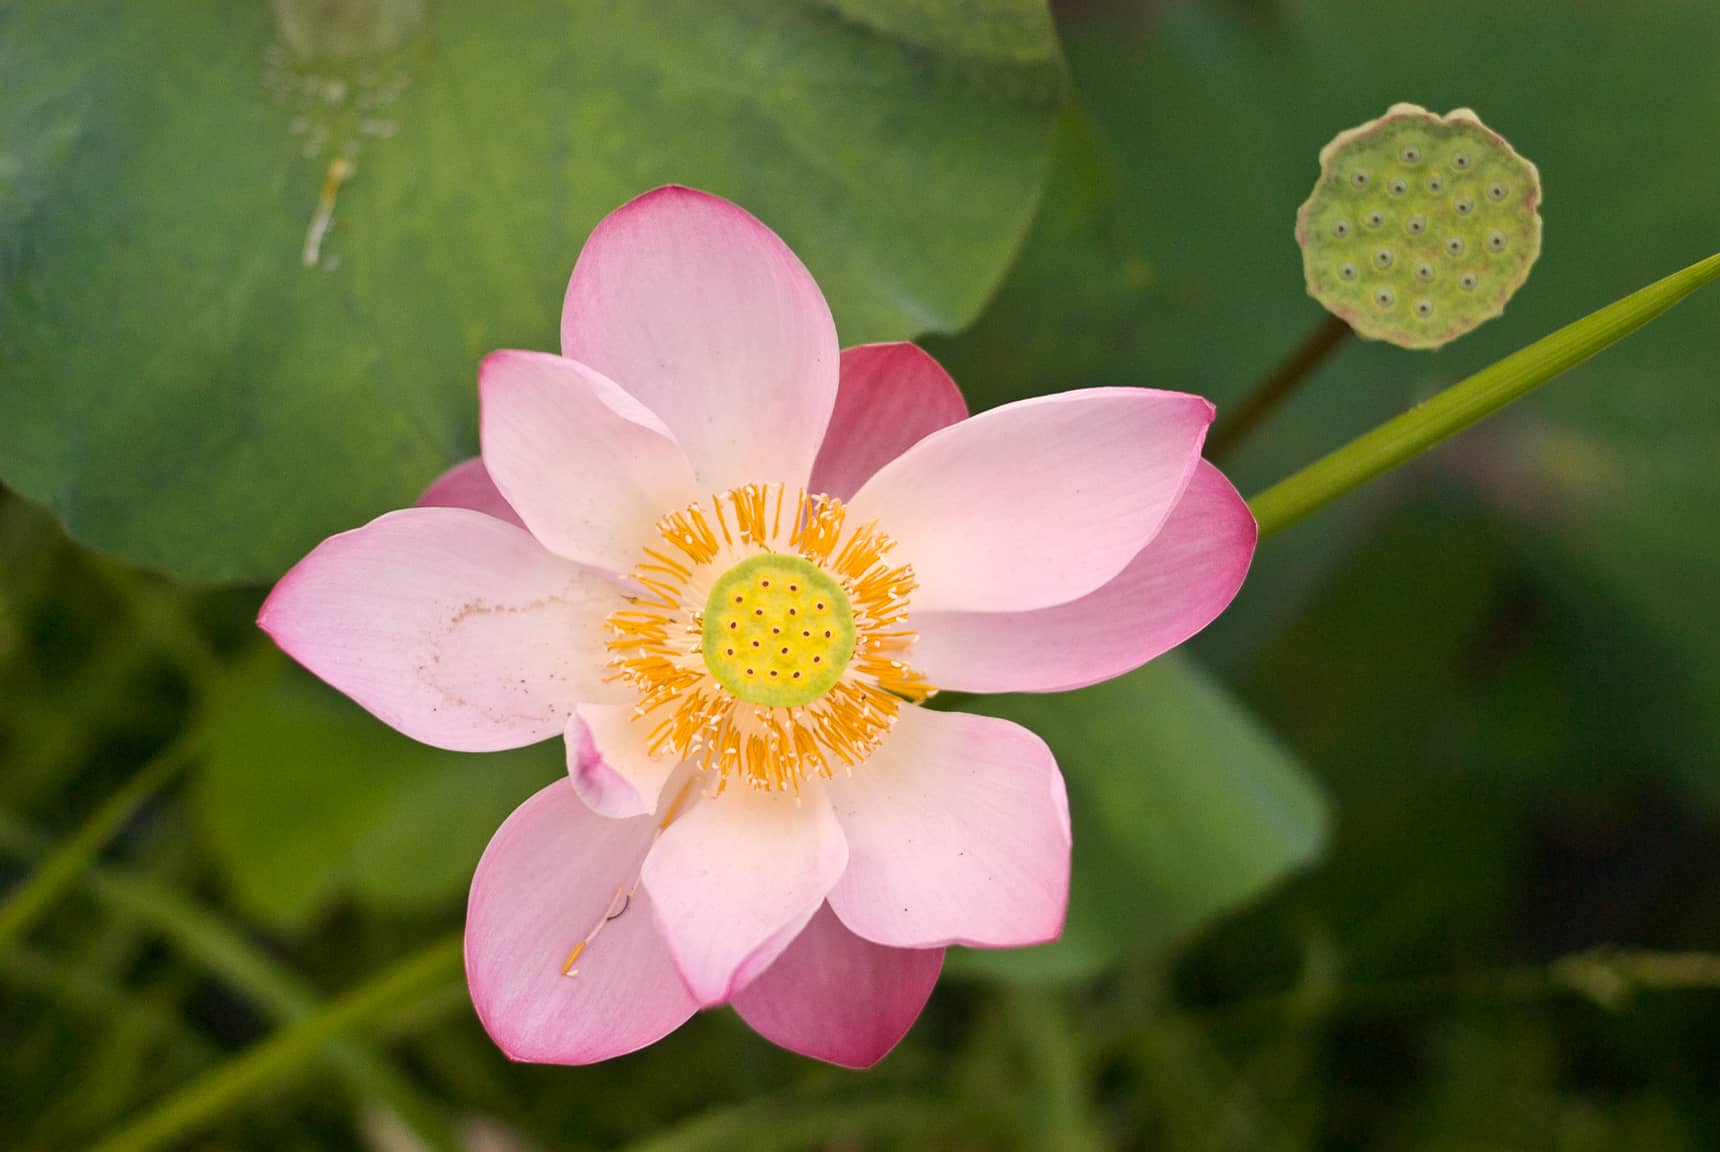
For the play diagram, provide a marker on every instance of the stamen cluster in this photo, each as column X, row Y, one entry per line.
column 657, row 642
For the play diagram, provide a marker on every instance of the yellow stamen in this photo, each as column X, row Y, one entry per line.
column 790, row 727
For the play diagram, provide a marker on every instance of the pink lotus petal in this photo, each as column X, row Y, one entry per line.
column 550, row 875
column 587, row 467
column 1176, row 586
column 468, row 485
column 452, row 626
column 736, row 877
column 702, row 313
column 891, row 396
column 958, row 833
column 837, row 997
column 1036, row 503
column 607, row 759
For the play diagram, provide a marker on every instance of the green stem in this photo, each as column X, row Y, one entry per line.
column 1049, row 1039
column 92, row 995
column 1606, row 977
column 1414, row 432
column 67, row 862
column 280, row 993
column 286, row 1054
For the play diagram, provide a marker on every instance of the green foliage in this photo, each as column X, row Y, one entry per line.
column 198, row 379
column 1183, row 809
column 305, row 797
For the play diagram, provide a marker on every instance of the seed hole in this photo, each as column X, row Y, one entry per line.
column 1424, row 272
column 1424, row 308
column 1385, row 298
column 1496, row 241
column 1383, row 259
column 1411, row 155
column 1346, row 271
column 1375, row 219
column 1455, row 245
column 1464, row 205
column 1467, row 281
column 1398, row 186
column 818, row 659
column 1415, row 225
column 1341, row 228
column 1497, row 192
column 1436, row 183
column 1461, row 161
column 1359, row 178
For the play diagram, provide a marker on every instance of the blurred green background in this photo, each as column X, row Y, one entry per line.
column 1415, row 848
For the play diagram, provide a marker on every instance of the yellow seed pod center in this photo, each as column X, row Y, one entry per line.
column 778, row 631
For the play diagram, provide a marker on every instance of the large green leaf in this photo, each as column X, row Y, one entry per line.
column 183, row 390
column 304, row 798
column 1183, row 807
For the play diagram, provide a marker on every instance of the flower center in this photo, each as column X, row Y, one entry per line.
column 777, row 631
column 767, row 638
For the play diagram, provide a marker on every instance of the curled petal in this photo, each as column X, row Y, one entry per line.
column 610, row 766
column 468, row 485
column 958, row 833
column 454, row 627
column 1036, row 503
column 837, row 997
column 1176, row 586
column 553, row 873
column 891, row 396
column 587, row 467
column 737, row 877
column 702, row 313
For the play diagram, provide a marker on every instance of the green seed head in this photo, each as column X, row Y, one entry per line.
column 1421, row 227
column 778, row 631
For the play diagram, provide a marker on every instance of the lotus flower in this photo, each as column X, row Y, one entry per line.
column 731, row 564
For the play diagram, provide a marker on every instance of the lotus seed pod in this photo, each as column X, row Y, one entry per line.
column 1421, row 227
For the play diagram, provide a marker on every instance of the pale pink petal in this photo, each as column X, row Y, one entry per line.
column 1176, row 586
column 611, row 768
column 468, row 485
column 456, row 628
column 706, row 316
column 553, row 872
column 736, row 877
column 1036, row 503
column 891, row 396
column 587, row 467
column 837, row 997
column 958, row 833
